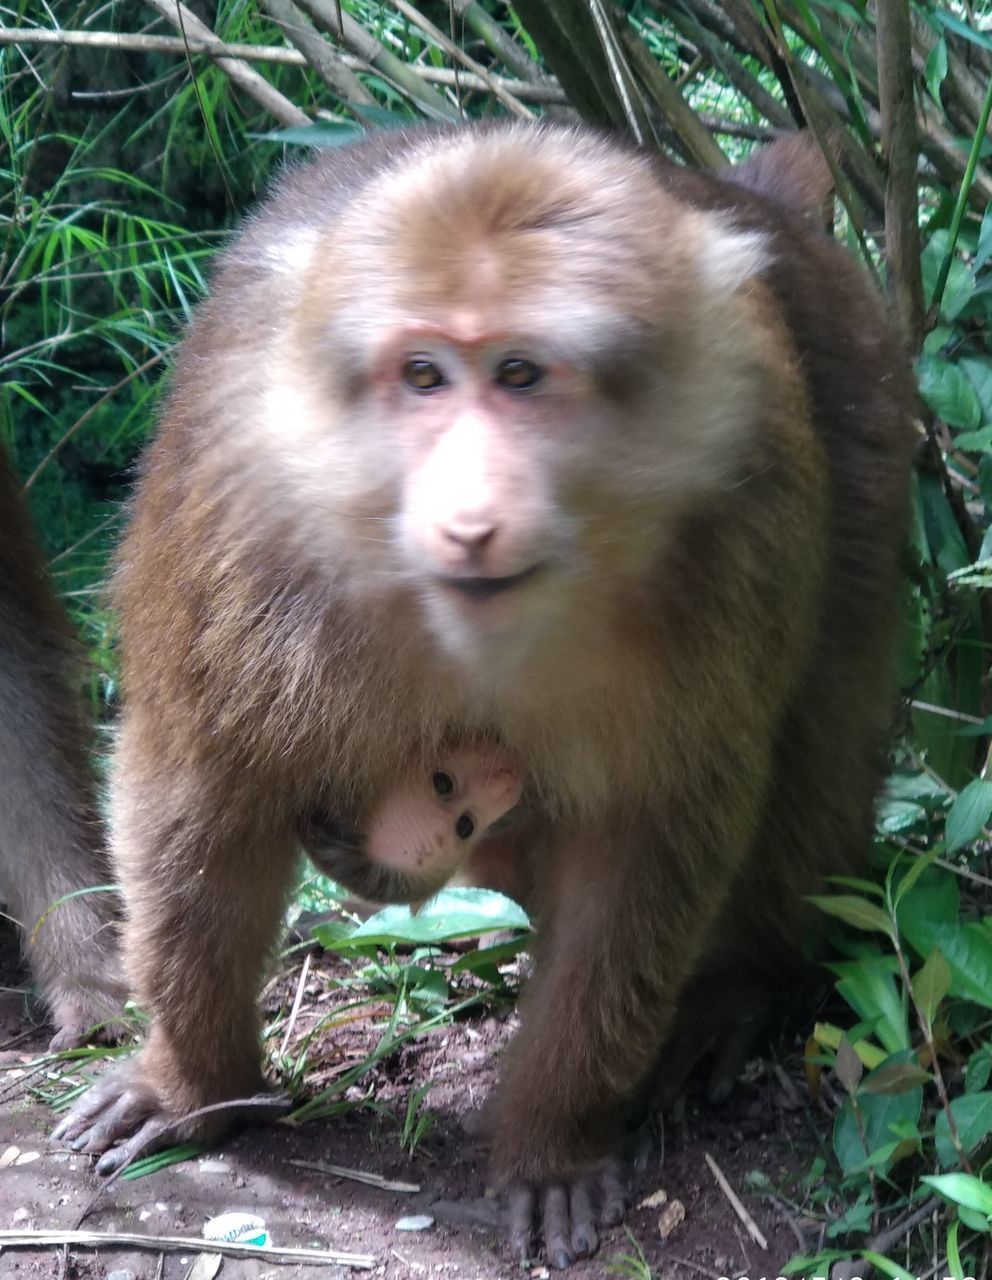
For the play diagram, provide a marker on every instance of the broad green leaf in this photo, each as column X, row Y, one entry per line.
column 963, row 1189
column 878, row 1115
column 967, row 948
column 973, row 1220
column 972, row 1114
column 974, row 441
column 931, row 984
column 453, row 913
column 869, row 986
column 896, row 1077
column 855, row 911
column 949, row 393
column 968, row 814
column 978, row 371
column 945, row 543
column 978, row 1070
column 934, row 900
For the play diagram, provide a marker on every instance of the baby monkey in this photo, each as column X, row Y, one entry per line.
column 423, row 832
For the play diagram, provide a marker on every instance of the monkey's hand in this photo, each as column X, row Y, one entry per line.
column 123, row 1116
column 570, row 1214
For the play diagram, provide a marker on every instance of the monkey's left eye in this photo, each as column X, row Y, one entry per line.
column 465, row 827
column 422, row 374
column 443, row 783
column 517, row 374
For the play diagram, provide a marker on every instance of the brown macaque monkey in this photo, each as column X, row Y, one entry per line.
column 512, row 435
column 51, row 837
column 422, row 833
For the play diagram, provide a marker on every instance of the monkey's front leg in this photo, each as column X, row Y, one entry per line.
column 205, row 889
column 623, row 922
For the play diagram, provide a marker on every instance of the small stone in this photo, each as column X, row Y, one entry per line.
column 673, row 1216
column 27, row 1157
column 214, row 1166
column 9, row 1156
column 414, row 1222
column 121, row 1274
column 655, row 1200
column 21, row 1215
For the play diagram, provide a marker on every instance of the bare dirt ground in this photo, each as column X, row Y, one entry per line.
column 768, row 1126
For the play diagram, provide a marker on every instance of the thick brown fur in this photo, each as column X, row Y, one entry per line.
column 52, row 841
column 697, row 683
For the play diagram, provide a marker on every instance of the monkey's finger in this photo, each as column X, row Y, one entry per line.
column 612, row 1196
column 154, row 1134
column 585, row 1238
column 555, row 1221
column 120, row 1118
column 92, row 1104
column 520, row 1203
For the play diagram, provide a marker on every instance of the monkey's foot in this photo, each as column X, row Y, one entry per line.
column 570, row 1213
column 85, row 1019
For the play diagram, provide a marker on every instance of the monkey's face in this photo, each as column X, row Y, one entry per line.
column 505, row 383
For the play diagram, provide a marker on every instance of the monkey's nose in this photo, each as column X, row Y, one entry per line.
column 469, row 533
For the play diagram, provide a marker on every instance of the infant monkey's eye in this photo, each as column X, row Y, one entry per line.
column 464, row 827
column 443, row 783
column 518, row 374
column 422, row 374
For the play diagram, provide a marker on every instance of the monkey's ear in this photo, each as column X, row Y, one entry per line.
column 291, row 254
column 730, row 257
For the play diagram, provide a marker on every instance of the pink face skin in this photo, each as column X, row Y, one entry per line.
column 430, row 822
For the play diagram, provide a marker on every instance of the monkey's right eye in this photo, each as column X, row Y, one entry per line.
column 442, row 784
column 422, row 374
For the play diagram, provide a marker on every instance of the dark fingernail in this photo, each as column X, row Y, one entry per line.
column 561, row 1259
column 77, row 1144
column 613, row 1215
column 107, row 1163
column 582, row 1245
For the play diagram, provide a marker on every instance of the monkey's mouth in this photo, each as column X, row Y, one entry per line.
column 487, row 588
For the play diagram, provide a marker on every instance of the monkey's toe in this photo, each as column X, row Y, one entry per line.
column 569, row 1218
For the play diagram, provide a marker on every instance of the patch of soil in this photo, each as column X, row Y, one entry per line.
column 768, row 1126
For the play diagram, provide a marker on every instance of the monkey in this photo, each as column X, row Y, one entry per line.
column 422, row 834
column 512, row 434
column 52, row 842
